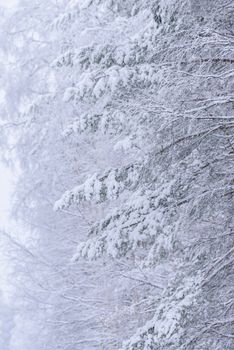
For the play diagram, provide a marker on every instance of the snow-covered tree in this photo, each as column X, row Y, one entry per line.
column 126, row 161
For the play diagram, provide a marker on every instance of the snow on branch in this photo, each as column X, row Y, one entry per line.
column 164, row 329
column 141, row 223
column 98, row 82
column 99, row 188
column 111, row 121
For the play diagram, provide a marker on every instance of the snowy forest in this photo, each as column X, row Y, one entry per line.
column 117, row 123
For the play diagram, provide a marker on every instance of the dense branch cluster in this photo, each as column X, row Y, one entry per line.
column 126, row 162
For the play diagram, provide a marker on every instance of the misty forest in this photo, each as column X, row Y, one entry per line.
column 117, row 123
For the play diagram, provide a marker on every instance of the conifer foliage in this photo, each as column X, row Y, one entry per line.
column 123, row 129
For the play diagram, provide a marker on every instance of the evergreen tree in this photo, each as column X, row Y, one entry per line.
column 127, row 134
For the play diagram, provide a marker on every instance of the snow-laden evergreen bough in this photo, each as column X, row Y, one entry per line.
column 127, row 173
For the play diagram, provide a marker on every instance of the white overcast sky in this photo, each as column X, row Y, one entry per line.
column 6, row 189
column 6, row 176
column 5, row 195
column 6, row 186
column 6, row 183
column 8, row 3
